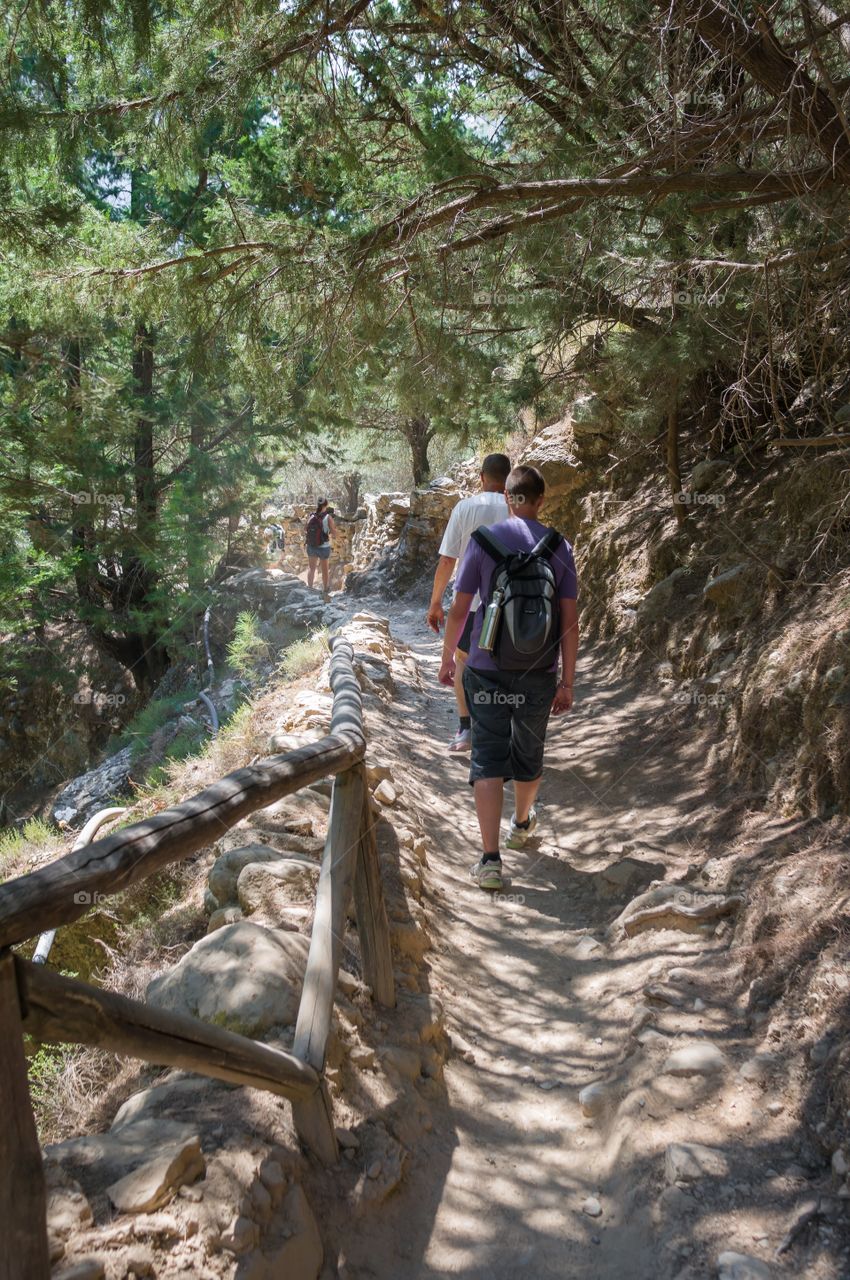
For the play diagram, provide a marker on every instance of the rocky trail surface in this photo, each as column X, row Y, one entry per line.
column 608, row 1109
column 585, row 1076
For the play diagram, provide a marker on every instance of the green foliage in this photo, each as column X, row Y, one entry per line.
column 45, row 1068
column 247, row 648
column 304, row 655
column 137, row 733
column 34, row 841
column 272, row 210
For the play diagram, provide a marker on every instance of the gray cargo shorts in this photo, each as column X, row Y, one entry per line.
column 510, row 712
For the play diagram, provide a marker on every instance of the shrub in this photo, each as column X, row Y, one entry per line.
column 247, row 648
column 304, row 655
column 35, row 841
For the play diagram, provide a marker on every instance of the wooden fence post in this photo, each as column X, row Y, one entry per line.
column 372, row 924
column 23, row 1201
column 314, row 1118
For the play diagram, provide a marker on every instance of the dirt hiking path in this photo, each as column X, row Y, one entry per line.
column 515, row 1179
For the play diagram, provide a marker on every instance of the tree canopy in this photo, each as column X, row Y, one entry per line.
column 227, row 228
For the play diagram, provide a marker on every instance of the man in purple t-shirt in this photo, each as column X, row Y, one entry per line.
column 510, row 709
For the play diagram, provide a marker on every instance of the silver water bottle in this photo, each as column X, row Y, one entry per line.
column 492, row 617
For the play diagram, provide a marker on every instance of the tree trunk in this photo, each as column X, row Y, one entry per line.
column 351, row 483
column 139, row 649
column 144, row 479
column 196, row 565
column 82, row 533
column 418, row 433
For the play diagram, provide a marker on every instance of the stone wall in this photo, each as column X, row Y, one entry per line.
column 294, row 558
column 397, row 544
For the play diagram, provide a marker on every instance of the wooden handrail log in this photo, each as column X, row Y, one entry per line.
column 347, row 714
column 63, row 1010
column 62, row 891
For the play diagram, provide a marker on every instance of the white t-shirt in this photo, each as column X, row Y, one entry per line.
column 470, row 514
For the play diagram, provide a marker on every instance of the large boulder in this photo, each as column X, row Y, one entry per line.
column 97, row 1159
column 669, row 598
column 156, row 1181
column 282, row 893
column 552, row 453
column 226, row 870
column 734, row 590
column 93, row 790
column 242, row 977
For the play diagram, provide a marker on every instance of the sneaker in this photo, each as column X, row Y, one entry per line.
column 517, row 836
column 487, row 875
column 462, row 741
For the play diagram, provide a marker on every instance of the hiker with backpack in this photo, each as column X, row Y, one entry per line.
column 486, row 507
column 319, row 530
column 527, row 626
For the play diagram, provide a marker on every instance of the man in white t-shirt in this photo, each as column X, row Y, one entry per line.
column 481, row 509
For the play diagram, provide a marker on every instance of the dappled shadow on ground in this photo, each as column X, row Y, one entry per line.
column 537, row 1011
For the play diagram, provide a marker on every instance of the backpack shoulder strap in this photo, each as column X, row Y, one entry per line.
column 491, row 544
column 548, row 544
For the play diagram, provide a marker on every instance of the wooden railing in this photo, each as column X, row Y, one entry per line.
column 52, row 1008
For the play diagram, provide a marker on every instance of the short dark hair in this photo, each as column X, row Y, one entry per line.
column 496, row 466
column 524, row 484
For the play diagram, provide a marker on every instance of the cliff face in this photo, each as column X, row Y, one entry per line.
column 58, row 712
column 743, row 612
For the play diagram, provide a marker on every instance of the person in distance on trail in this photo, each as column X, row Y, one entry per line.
column 319, row 531
column 277, row 540
column 527, row 625
column 470, row 514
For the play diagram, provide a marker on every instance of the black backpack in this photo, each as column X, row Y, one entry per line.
column 529, row 632
column 314, row 530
